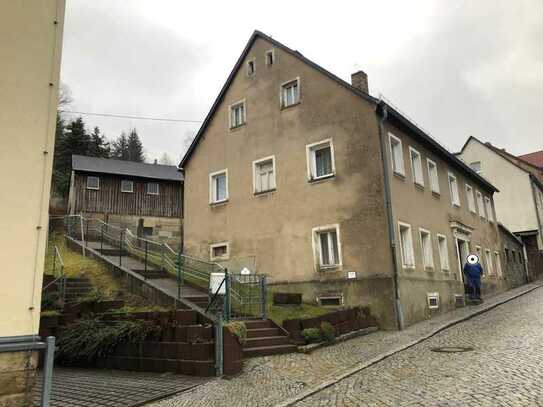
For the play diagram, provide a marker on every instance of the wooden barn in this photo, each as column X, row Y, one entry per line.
column 147, row 198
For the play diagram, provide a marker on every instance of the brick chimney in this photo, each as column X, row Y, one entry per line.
column 359, row 80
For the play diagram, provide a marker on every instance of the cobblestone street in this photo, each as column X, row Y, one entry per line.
column 504, row 369
column 427, row 378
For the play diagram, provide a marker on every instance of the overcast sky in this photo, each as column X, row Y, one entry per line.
column 457, row 68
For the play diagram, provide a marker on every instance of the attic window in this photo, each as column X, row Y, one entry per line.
column 93, row 183
column 251, row 67
column 270, row 57
column 433, row 300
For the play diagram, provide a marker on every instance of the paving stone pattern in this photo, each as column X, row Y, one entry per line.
column 271, row 380
column 96, row 387
column 505, row 368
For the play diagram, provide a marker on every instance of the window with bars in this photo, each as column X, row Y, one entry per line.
column 237, row 115
column 290, row 93
column 264, row 175
column 218, row 187
column 320, row 158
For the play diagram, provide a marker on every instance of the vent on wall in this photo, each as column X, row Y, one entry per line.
column 459, row 300
column 433, row 300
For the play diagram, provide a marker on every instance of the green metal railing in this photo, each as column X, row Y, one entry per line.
column 57, row 270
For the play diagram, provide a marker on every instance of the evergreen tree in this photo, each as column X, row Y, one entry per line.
column 120, row 148
column 99, row 147
column 135, row 147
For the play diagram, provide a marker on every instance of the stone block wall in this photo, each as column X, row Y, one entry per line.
column 17, row 375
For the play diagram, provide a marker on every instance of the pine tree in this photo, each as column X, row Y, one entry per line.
column 135, row 147
column 99, row 147
column 120, row 148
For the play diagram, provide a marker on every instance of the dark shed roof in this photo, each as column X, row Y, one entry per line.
column 129, row 168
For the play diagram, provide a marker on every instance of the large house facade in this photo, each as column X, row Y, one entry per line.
column 519, row 205
column 146, row 198
column 330, row 192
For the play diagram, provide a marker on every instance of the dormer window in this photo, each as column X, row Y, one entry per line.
column 290, row 93
column 251, row 67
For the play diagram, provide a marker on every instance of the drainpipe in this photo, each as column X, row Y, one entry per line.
column 388, row 205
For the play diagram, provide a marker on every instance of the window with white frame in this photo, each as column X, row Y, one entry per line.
column 480, row 205
column 127, row 186
column 290, row 93
column 396, row 154
column 416, row 166
column 498, row 263
column 237, row 114
column 476, row 166
column 218, row 186
column 320, row 159
column 488, row 208
column 264, row 175
column 433, row 175
column 327, row 245
column 93, row 182
column 426, row 248
column 453, row 189
column 270, row 57
column 471, row 198
column 219, row 251
column 443, row 252
column 251, row 67
column 152, row 188
column 433, row 300
column 479, row 252
column 406, row 245
column 488, row 260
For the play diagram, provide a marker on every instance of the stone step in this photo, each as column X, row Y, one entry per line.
column 258, row 323
column 268, row 350
column 262, row 332
column 266, row 341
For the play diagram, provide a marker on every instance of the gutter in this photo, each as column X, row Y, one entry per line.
column 398, row 311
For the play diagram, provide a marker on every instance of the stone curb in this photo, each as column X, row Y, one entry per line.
column 342, row 338
column 361, row 366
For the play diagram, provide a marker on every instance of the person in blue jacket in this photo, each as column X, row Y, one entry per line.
column 473, row 272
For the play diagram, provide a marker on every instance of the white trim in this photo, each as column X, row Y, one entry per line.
column 480, row 208
column 488, row 208
column 454, row 202
column 214, row 245
column 404, row 265
column 260, row 160
column 436, row 189
column 247, row 64
column 431, row 265
column 471, row 203
column 239, row 102
column 399, row 171
column 131, row 186
column 272, row 52
column 281, row 101
column 157, row 188
column 317, row 255
column 431, row 296
column 444, row 238
column 98, row 181
column 310, row 159
column 415, row 181
column 211, row 189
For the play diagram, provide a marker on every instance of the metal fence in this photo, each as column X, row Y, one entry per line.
column 245, row 296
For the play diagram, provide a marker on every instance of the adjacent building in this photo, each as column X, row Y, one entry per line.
column 30, row 51
column 519, row 205
column 147, row 198
column 333, row 193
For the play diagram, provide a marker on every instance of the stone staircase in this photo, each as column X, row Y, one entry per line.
column 76, row 288
column 265, row 338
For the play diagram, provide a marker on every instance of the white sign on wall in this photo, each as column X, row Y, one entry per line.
column 351, row 274
column 215, row 280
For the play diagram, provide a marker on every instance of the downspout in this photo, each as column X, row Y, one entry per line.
column 390, row 218
column 536, row 206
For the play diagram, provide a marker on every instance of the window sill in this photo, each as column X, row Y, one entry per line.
column 268, row 191
column 335, row 267
column 219, row 258
column 321, row 179
column 446, row 270
column 408, row 268
column 218, row 203
column 455, row 205
column 289, row 106
column 419, row 186
column 429, row 269
column 93, row 189
column 236, row 128
column 436, row 194
column 399, row 175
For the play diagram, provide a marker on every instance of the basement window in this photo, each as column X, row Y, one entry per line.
column 127, row 186
column 219, row 251
column 433, row 300
column 330, row 300
column 93, row 183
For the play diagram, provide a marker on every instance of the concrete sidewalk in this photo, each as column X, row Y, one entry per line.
column 283, row 380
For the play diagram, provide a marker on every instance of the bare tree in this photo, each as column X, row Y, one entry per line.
column 65, row 98
column 165, row 159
